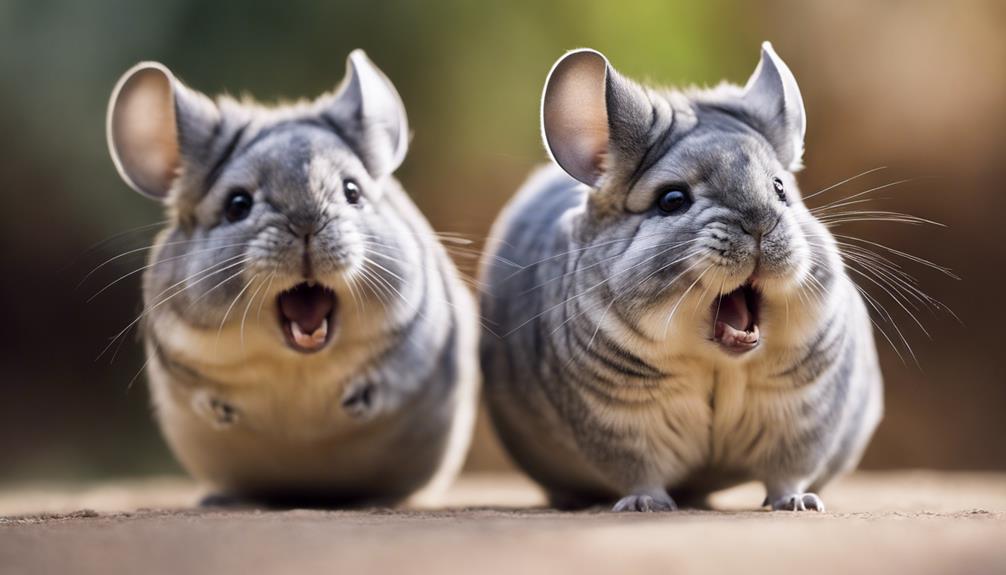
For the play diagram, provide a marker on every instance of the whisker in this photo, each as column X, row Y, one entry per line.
column 719, row 303
column 199, row 273
column 580, row 249
column 667, row 324
column 877, row 307
column 154, row 264
column 133, row 251
column 248, row 284
column 876, row 216
column 244, row 316
column 874, row 189
column 584, row 292
column 894, row 298
column 944, row 270
column 843, row 204
column 609, row 258
column 268, row 288
column 845, row 181
column 151, row 308
column 95, row 246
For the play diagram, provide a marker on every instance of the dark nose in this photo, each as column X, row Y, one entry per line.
column 304, row 227
column 759, row 226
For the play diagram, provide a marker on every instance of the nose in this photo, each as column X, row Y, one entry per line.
column 759, row 227
column 304, row 227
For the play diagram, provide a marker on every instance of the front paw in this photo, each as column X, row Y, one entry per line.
column 645, row 502
column 360, row 400
column 799, row 502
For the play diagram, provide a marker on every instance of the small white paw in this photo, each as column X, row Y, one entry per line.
column 645, row 503
column 221, row 414
column 799, row 502
column 360, row 400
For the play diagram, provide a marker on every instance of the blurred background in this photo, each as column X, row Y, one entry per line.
column 919, row 87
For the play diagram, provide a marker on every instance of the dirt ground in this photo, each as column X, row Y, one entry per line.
column 906, row 522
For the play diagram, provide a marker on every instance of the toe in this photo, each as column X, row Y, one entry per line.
column 812, row 502
column 630, row 503
column 799, row 502
column 644, row 503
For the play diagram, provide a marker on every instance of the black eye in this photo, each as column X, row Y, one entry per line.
column 780, row 191
column 673, row 199
column 352, row 190
column 238, row 206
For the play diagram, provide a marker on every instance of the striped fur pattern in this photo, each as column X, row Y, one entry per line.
column 384, row 410
column 601, row 372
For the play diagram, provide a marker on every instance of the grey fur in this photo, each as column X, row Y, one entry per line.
column 600, row 372
column 387, row 407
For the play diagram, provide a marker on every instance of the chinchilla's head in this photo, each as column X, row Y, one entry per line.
column 275, row 213
column 694, row 212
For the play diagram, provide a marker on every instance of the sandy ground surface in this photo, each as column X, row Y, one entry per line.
column 906, row 522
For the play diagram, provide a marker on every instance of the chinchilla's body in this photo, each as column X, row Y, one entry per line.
column 308, row 339
column 679, row 321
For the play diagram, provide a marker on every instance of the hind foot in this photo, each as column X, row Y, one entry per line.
column 656, row 500
column 798, row 502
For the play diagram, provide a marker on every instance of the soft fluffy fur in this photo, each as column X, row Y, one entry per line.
column 600, row 373
column 387, row 406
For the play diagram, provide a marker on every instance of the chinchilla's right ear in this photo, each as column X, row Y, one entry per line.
column 155, row 124
column 592, row 118
column 773, row 96
column 369, row 114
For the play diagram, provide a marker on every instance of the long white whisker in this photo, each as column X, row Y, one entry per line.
column 151, row 308
column 667, row 324
column 863, row 193
column 158, row 262
column 244, row 316
column 133, row 251
column 845, row 181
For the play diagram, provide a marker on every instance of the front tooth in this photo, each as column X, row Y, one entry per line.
column 319, row 334
column 299, row 336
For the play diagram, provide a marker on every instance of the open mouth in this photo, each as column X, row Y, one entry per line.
column 307, row 316
column 735, row 319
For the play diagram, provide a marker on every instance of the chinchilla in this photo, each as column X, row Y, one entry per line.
column 680, row 322
column 307, row 336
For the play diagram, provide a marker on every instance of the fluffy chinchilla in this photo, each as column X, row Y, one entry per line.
column 308, row 338
column 679, row 322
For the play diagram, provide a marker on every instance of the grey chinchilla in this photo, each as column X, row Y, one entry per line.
column 308, row 339
column 678, row 322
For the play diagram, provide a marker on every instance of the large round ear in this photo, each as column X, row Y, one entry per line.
column 591, row 117
column 367, row 111
column 154, row 123
column 773, row 96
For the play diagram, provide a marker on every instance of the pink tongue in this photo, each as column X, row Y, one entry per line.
column 734, row 310
column 307, row 306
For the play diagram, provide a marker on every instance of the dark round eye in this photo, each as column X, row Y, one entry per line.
column 780, row 191
column 238, row 206
column 352, row 191
column 673, row 199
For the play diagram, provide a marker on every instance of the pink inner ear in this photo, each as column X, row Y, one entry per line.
column 144, row 133
column 592, row 145
column 575, row 116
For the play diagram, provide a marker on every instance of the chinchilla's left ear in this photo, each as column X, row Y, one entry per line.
column 773, row 97
column 367, row 111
